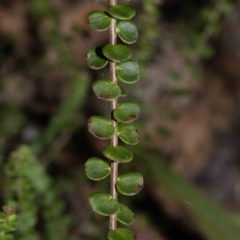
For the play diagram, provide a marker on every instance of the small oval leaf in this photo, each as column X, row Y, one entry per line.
column 103, row 203
column 97, row 169
column 121, row 234
column 122, row 11
column 96, row 59
column 128, row 133
column 125, row 215
column 106, row 90
column 99, row 20
column 130, row 183
column 118, row 154
column 128, row 71
column 126, row 112
column 116, row 53
column 101, row 127
column 127, row 31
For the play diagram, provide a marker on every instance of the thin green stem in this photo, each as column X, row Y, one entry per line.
column 114, row 140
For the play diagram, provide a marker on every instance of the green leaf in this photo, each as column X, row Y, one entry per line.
column 128, row 133
column 101, row 127
column 127, row 31
column 126, row 112
column 97, row 169
column 106, row 90
column 103, row 203
column 116, row 53
column 118, row 154
column 130, row 183
column 12, row 219
column 99, row 20
column 128, row 71
column 122, row 11
column 121, row 234
column 125, row 215
column 123, row 93
column 96, row 59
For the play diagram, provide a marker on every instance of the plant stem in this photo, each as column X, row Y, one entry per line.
column 114, row 140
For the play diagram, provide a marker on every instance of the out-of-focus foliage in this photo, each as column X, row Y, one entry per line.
column 30, row 190
column 206, row 27
column 8, row 219
column 148, row 20
column 216, row 224
column 65, row 118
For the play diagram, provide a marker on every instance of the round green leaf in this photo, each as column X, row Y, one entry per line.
column 121, row 234
column 96, row 59
column 128, row 133
column 122, row 11
column 118, row 154
column 12, row 219
column 126, row 112
column 101, row 127
column 116, row 53
column 127, row 31
column 103, row 203
column 125, row 215
column 130, row 183
column 128, row 71
column 106, row 90
column 99, row 20
column 97, row 169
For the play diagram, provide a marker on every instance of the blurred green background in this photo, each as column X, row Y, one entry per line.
column 189, row 53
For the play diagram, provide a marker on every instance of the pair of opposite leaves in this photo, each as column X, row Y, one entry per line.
column 124, row 113
column 128, row 184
